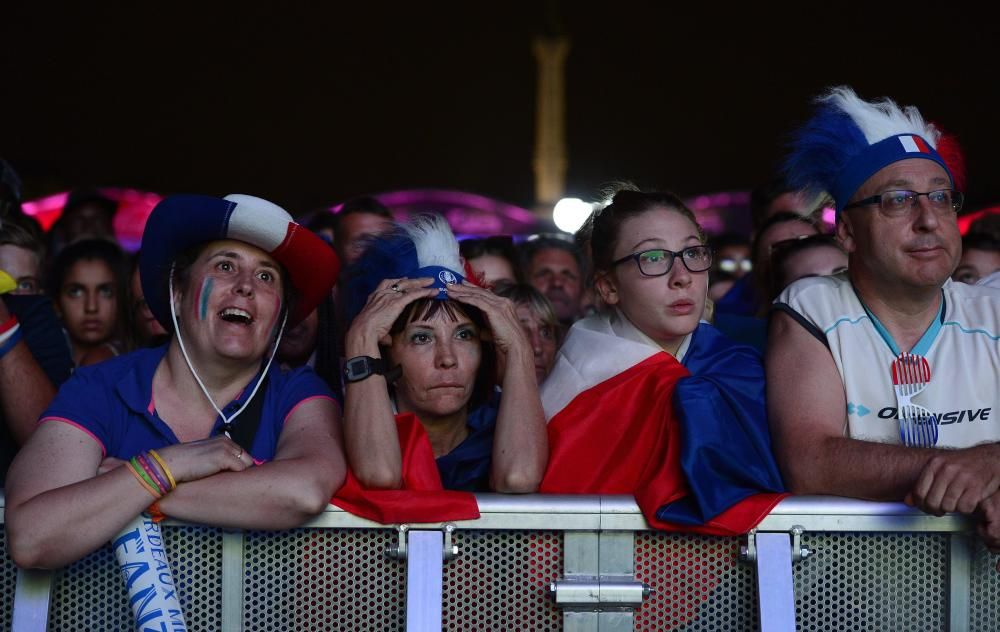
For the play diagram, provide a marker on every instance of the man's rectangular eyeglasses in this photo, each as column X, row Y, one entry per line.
column 658, row 262
column 899, row 203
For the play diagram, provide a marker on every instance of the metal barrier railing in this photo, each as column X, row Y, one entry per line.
column 549, row 563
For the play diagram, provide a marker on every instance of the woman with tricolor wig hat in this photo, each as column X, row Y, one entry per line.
column 203, row 428
column 420, row 350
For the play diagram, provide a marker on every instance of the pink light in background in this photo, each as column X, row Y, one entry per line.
column 467, row 213
column 829, row 216
column 965, row 221
column 722, row 212
column 46, row 209
column 134, row 207
column 474, row 214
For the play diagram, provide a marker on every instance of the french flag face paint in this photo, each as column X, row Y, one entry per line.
column 203, row 296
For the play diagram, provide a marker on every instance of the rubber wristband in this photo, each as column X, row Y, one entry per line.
column 135, row 472
column 150, row 469
column 163, row 466
column 147, row 477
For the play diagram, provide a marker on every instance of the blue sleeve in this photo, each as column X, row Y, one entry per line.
column 43, row 334
column 85, row 401
column 285, row 392
column 301, row 384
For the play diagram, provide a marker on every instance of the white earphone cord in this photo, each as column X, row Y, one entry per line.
column 180, row 341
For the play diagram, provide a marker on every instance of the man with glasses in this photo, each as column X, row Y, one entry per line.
column 882, row 382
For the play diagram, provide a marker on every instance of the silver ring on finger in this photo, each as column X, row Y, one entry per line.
column 395, row 288
column 239, row 454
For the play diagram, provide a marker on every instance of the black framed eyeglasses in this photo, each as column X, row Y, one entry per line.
column 899, row 203
column 658, row 262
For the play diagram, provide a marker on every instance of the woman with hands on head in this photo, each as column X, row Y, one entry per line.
column 204, row 425
column 421, row 343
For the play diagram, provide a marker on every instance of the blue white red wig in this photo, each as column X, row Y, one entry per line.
column 423, row 247
column 848, row 140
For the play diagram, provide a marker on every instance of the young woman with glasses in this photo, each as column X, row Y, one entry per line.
column 651, row 268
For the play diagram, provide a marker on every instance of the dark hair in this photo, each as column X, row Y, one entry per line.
column 725, row 240
column 605, row 224
column 980, row 241
column 497, row 246
column 364, row 204
column 78, row 198
column 778, row 218
column 16, row 232
column 533, row 246
column 427, row 308
column 319, row 220
column 10, row 191
column 94, row 250
column 763, row 196
column 785, row 250
column 988, row 224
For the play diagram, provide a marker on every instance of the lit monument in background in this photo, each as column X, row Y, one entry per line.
column 550, row 160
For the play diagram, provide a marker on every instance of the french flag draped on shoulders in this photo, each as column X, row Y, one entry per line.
column 422, row 498
column 687, row 438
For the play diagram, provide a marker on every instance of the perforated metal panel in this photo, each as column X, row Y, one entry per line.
column 696, row 582
column 501, row 580
column 340, row 579
column 884, row 581
column 90, row 594
column 322, row 579
column 984, row 607
column 8, row 581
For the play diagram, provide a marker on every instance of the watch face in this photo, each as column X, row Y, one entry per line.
column 356, row 369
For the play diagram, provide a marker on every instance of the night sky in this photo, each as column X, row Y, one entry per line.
column 310, row 106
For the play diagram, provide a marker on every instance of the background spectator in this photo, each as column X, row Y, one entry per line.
column 492, row 259
column 87, row 285
column 555, row 267
column 539, row 322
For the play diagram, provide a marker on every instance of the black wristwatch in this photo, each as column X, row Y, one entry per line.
column 363, row 367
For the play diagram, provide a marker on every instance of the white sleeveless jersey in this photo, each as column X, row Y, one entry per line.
column 962, row 346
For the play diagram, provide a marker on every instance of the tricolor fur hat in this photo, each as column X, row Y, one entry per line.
column 848, row 140
column 424, row 247
column 180, row 222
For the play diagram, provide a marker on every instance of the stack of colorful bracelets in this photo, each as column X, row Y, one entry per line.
column 10, row 335
column 152, row 472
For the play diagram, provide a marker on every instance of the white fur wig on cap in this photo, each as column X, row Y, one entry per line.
column 423, row 247
column 848, row 140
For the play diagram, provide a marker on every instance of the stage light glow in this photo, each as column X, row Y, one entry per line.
column 569, row 214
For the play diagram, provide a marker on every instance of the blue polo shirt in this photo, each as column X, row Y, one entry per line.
column 113, row 402
column 467, row 467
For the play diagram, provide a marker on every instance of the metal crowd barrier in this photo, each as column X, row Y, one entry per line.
column 549, row 563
